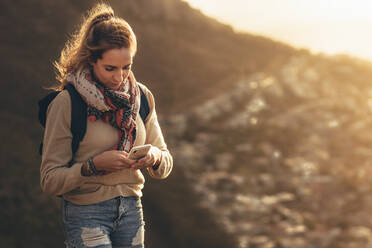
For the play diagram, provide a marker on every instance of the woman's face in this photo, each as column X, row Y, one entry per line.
column 114, row 67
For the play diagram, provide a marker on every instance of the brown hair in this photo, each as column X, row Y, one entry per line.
column 100, row 31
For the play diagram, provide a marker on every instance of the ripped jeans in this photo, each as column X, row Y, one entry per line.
column 117, row 222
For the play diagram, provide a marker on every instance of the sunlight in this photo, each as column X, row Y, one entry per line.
column 329, row 26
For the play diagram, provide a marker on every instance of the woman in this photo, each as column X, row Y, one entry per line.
column 101, row 190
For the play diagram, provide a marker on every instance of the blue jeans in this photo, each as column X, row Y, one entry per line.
column 117, row 222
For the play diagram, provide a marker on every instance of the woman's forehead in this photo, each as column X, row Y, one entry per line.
column 117, row 57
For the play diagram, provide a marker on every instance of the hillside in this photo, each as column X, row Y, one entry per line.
column 179, row 49
column 281, row 131
column 285, row 155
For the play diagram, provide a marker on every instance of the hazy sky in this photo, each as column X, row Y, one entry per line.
column 330, row 26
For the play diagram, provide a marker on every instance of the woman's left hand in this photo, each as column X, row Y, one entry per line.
column 152, row 158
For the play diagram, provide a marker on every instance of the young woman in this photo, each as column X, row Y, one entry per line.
column 101, row 189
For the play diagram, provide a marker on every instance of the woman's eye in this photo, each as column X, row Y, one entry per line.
column 109, row 69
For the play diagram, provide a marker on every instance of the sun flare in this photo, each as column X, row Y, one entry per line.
column 329, row 26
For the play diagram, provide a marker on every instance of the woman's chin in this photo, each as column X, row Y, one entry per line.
column 114, row 86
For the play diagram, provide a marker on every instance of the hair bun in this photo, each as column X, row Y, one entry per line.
column 102, row 17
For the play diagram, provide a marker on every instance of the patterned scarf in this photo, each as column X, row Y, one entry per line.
column 119, row 107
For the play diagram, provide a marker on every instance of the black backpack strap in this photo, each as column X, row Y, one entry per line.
column 43, row 107
column 78, row 117
column 145, row 108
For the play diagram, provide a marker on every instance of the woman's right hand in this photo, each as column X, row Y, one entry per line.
column 112, row 161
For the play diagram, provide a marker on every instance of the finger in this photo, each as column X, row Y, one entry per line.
column 137, row 165
column 146, row 159
column 149, row 160
column 123, row 156
column 119, row 166
column 143, row 163
column 124, row 153
column 142, row 160
column 127, row 161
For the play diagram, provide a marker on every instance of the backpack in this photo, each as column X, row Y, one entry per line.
column 79, row 113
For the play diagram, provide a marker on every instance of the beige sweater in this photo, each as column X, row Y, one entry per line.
column 58, row 179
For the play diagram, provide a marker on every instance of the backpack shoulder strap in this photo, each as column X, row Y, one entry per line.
column 78, row 117
column 144, row 108
column 43, row 106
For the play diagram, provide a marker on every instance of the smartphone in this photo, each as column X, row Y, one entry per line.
column 138, row 152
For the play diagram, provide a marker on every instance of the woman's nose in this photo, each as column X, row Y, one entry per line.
column 120, row 76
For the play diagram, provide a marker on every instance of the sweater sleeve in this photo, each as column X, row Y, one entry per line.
column 154, row 136
column 56, row 178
